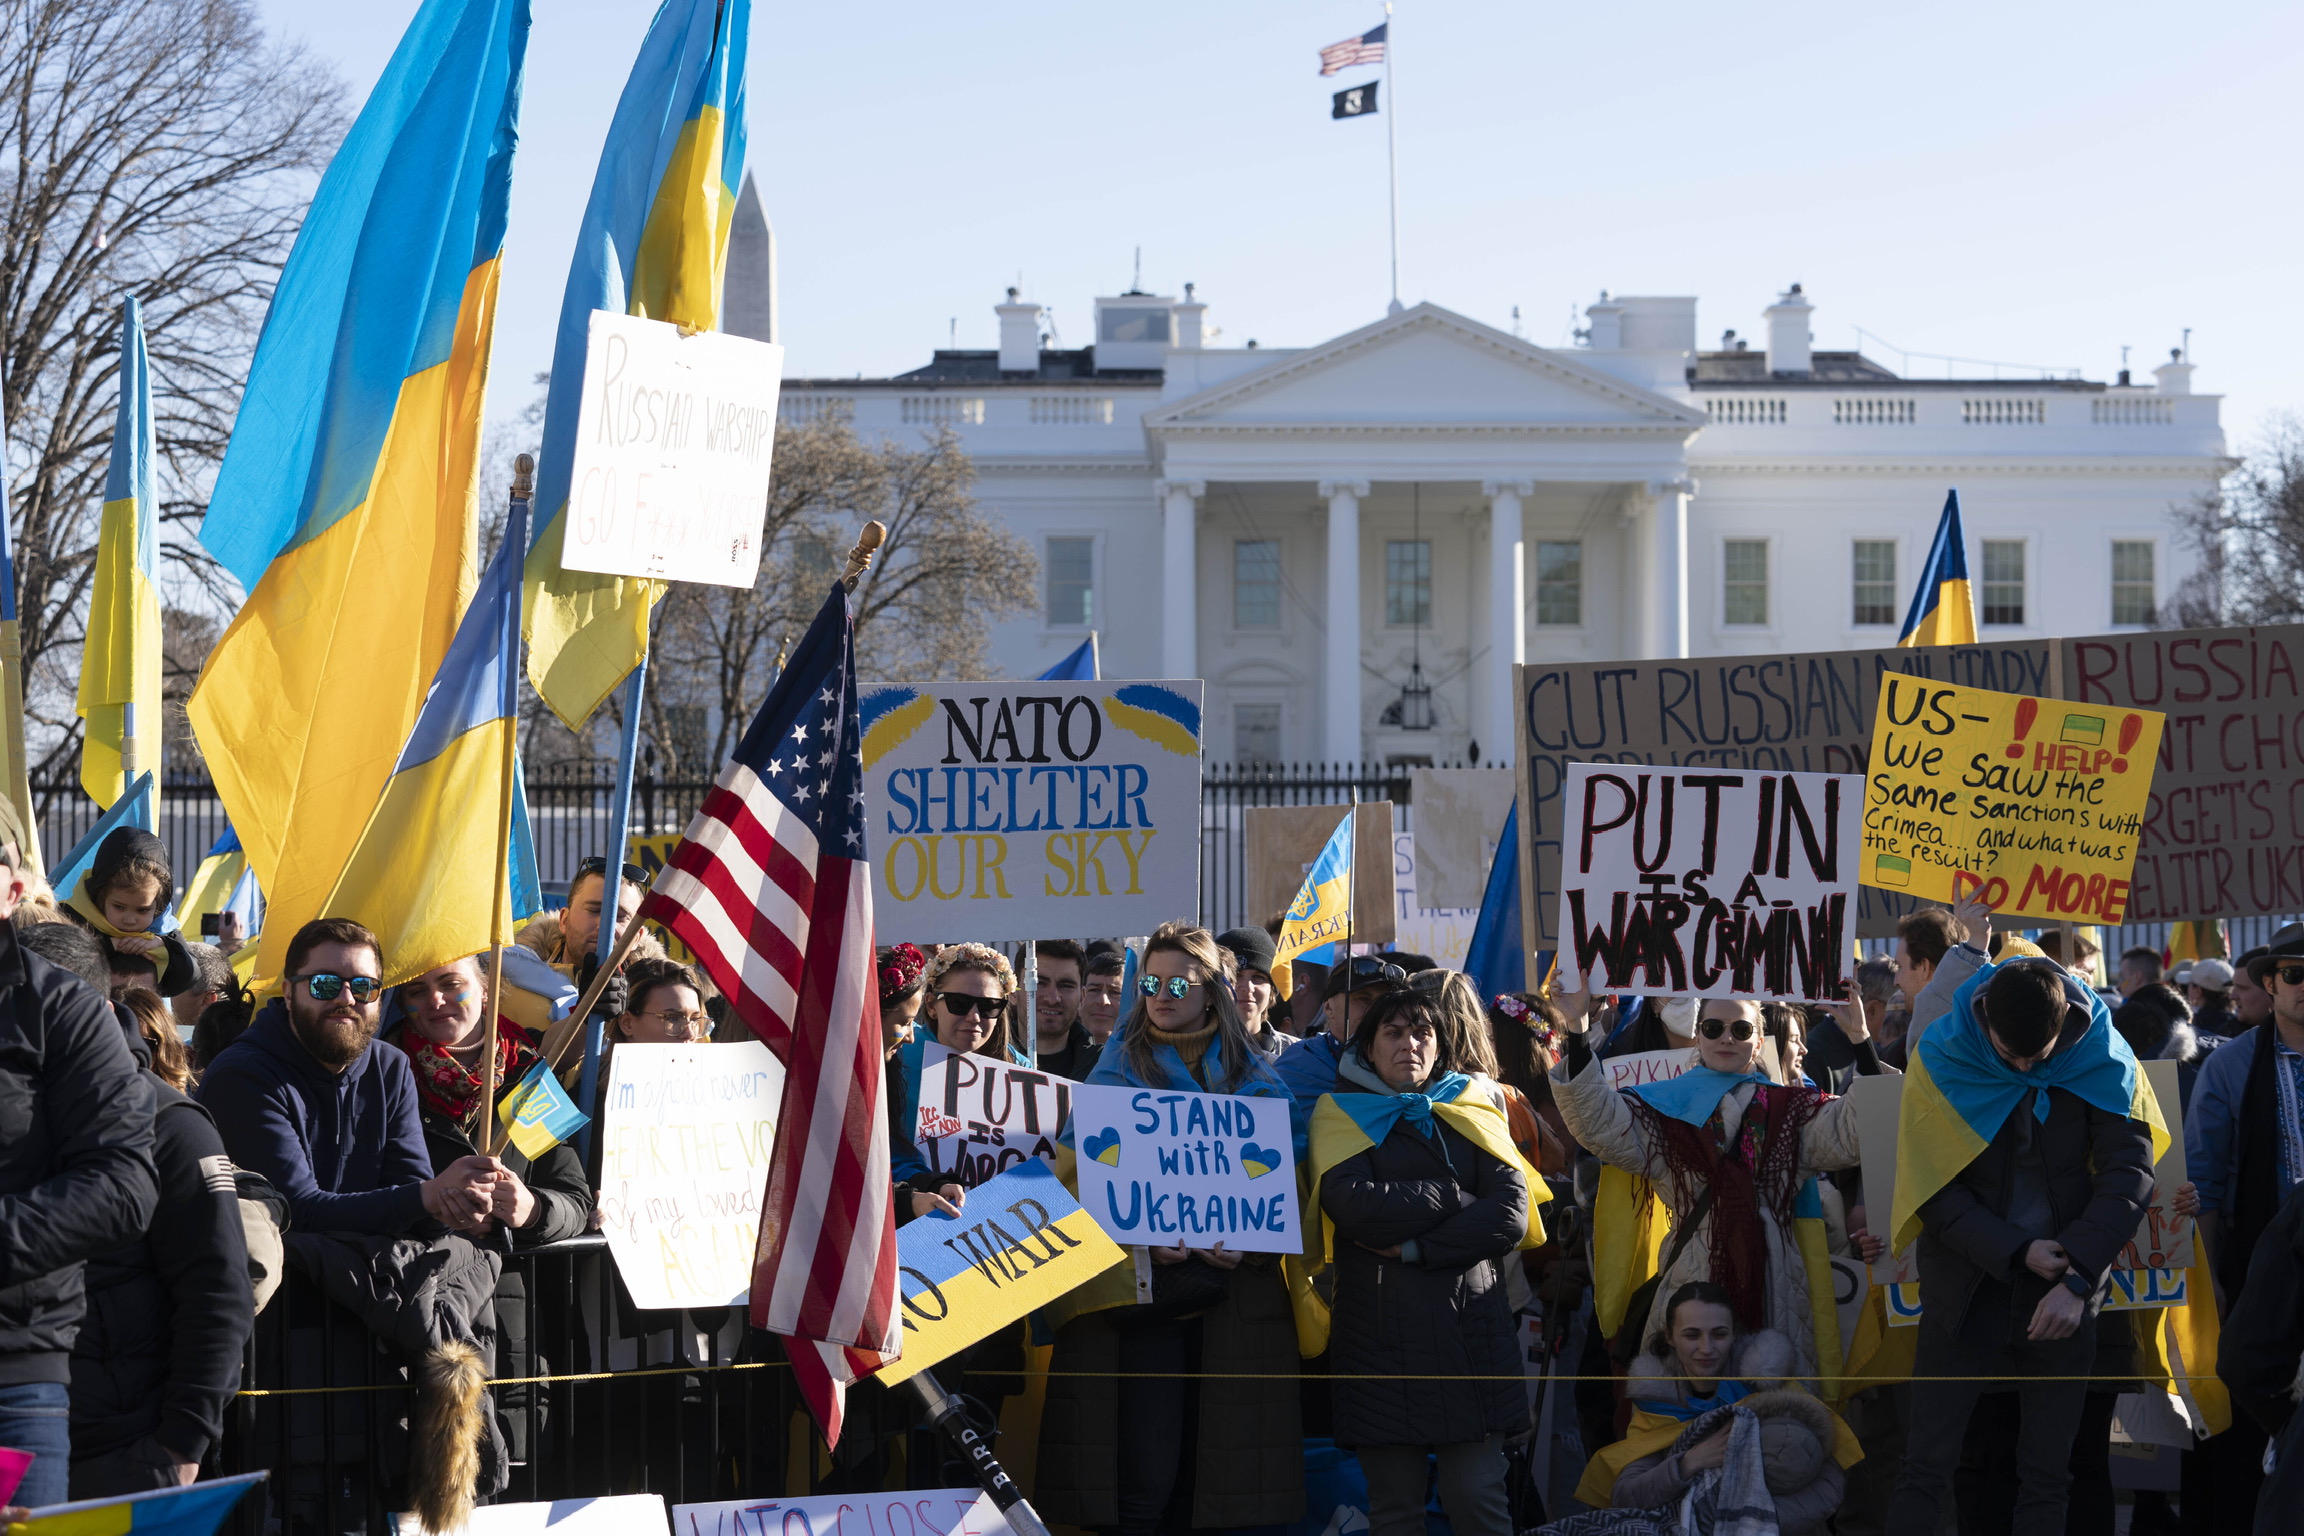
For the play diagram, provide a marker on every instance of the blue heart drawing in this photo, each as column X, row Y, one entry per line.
column 1104, row 1146
column 1259, row 1161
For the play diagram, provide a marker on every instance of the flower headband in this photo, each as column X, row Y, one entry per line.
column 1547, row 1037
column 901, row 970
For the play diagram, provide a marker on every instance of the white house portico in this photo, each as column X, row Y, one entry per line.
column 1353, row 542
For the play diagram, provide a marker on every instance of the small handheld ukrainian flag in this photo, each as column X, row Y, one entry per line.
column 1321, row 916
column 120, row 660
column 538, row 1115
column 1943, row 609
column 196, row 1509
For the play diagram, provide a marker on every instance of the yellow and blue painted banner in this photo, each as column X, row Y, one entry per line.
column 538, row 1115
column 18, row 821
column 1021, row 1242
column 346, row 505
column 197, row 1509
column 654, row 242
column 120, row 659
column 1943, row 610
column 1319, row 920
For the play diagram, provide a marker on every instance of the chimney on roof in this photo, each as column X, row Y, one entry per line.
column 1789, row 343
column 1191, row 323
column 1604, row 324
column 2175, row 375
column 1019, row 335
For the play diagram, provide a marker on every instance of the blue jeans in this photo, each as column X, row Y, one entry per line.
column 37, row 1417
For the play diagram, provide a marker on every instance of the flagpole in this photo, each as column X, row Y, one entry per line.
column 516, row 535
column 612, row 883
column 1392, row 156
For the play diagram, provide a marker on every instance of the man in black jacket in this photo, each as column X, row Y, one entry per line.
column 2262, row 1344
column 76, row 1179
column 2014, row 1250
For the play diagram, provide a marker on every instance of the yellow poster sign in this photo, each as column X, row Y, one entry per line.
column 2034, row 803
column 648, row 854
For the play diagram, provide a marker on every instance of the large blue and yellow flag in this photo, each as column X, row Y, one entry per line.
column 1319, row 921
column 654, row 242
column 195, row 1509
column 222, row 881
column 429, row 876
column 346, row 503
column 1943, row 610
column 120, row 660
column 1960, row 1092
column 18, row 822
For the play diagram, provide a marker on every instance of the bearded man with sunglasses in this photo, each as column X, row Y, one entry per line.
column 307, row 1098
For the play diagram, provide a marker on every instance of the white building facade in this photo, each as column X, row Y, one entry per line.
column 1353, row 542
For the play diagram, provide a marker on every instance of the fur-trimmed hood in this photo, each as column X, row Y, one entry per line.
column 1764, row 1360
column 543, row 936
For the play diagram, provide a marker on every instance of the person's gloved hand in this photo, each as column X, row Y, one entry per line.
column 615, row 997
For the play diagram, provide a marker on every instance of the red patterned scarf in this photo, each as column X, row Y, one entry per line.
column 442, row 1082
column 1759, row 1169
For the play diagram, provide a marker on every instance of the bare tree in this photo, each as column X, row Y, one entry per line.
column 160, row 148
column 2249, row 534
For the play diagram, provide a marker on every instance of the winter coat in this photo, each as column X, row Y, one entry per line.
column 76, row 1171
column 2263, row 1344
column 1798, row 1436
column 169, row 1314
column 1439, row 1308
column 346, row 1148
column 1076, row 1059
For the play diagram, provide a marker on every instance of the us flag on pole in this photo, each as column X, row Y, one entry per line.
column 1367, row 48
column 770, row 888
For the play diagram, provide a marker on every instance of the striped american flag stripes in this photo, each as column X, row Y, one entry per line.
column 771, row 890
column 1367, row 48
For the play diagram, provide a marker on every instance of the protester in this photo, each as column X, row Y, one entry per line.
column 310, row 1099
column 1426, row 1196
column 2139, row 967
column 2158, row 1027
column 156, row 1027
column 1100, row 997
column 1254, row 954
column 212, row 982
column 971, row 991
column 77, row 1179
column 219, row 1025
column 900, row 969
column 1123, row 1394
column 1728, row 1152
column 2261, row 1358
column 2251, row 1004
column 2209, row 992
column 568, row 937
column 2015, row 1245
column 1309, row 1066
column 663, row 1006
column 1525, row 1033
column 126, row 896
column 1936, row 952
column 1063, row 1045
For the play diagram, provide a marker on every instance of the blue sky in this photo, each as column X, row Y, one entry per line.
column 2031, row 183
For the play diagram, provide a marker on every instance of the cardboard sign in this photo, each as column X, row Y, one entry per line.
column 1031, row 807
column 980, row 1117
column 670, row 475
column 1019, row 1242
column 2035, row 802
column 1459, row 816
column 2224, row 828
column 1681, row 883
column 1444, row 933
column 1161, row 1169
column 1809, row 713
column 941, row 1512
column 688, row 1130
column 614, row 1515
column 1279, row 843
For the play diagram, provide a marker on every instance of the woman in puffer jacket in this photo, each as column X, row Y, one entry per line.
column 1700, row 1363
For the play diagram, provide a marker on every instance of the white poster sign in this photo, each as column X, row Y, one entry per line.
column 1635, row 1068
column 1444, row 933
column 612, row 1515
column 980, row 1117
column 1031, row 807
column 1689, row 883
column 670, row 476
column 938, row 1512
column 688, row 1130
column 1163, row 1170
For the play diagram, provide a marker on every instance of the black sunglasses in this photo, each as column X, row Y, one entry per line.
column 961, row 1004
column 1367, row 971
column 2289, row 975
column 596, row 864
column 1738, row 1029
column 327, row 986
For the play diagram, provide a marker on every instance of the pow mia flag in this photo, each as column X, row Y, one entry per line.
column 1359, row 101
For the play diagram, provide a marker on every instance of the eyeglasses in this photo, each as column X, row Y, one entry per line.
column 596, row 864
column 1367, row 971
column 326, row 986
column 965, row 1003
column 1736, row 1029
column 1177, row 986
column 676, row 1019
column 2290, row 975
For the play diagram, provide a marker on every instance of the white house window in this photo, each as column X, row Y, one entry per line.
column 2132, row 581
column 1744, row 581
column 2003, row 581
column 1072, row 582
column 1132, row 325
column 1559, row 581
column 1874, row 588
column 1256, row 734
column 1256, row 584
column 1408, row 582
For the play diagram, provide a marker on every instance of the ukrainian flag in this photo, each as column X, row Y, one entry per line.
column 17, row 819
column 1959, row 1093
column 346, row 503
column 120, row 660
column 196, row 1509
column 1943, row 610
column 654, row 242
column 216, row 884
column 424, row 878
column 1320, row 919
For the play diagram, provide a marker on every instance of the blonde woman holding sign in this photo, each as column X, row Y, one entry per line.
column 968, row 992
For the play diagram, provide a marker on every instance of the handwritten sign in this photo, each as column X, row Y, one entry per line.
column 1704, row 884
column 1444, row 933
column 1191, row 1169
column 980, row 1117
column 687, row 1133
column 1634, row 1068
column 2224, row 829
column 670, row 476
column 611, row 1515
column 938, row 1512
column 1039, row 807
column 2033, row 802
column 1019, row 1242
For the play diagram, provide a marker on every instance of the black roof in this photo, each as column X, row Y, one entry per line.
column 1838, row 370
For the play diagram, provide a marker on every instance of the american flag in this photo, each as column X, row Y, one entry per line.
column 771, row 890
column 1367, row 48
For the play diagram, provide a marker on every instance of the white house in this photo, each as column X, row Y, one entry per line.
column 1351, row 542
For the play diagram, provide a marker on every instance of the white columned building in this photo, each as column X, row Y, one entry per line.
column 1353, row 542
